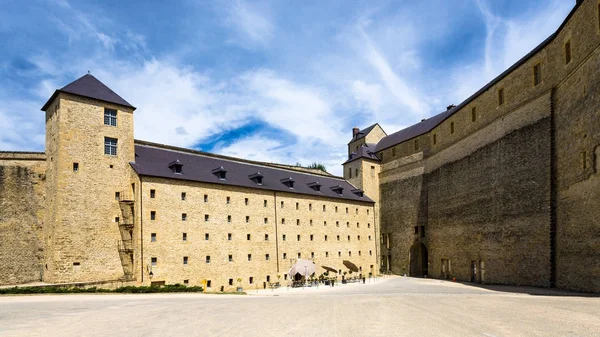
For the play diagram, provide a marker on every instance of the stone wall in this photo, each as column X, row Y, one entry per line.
column 22, row 189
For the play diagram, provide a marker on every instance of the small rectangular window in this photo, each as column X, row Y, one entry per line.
column 154, row 261
column 434, row 139
column 152, row 215
column 298, row 237
column 117, row 195
column 229, row 235
column 206, row 217
column 267, row 257
column 393, row 152
column 185, row 260
column 246, row 201
column 346, row 210
column 183, row 195
column 186, row 281
column 265, row 203
column 230, row 258
column 311, row 237
column 310, row 207
column 152, row 194
column 152, row 237
column 183, row 216
column 336, row 209
column 312, row 255
column 451, row 127
column 349, row 173
column 229, row 218
column 117, row 219
column 473, row 114
column 372, row 171
column 228, row 200
column 248, row 236
column 206, row 198
column 184, row 237
column 249, row 257
column 297, row 206
column 207, row 258
column 251, row 280
column 416, row 229
column 283, row 237
column 247, row 219
column 110, row 117
column 75, row 167
column 110, row 146
column 324, row 223
column 266, row 237
column 356, row 172
column 568, row 52
column 326, row 254
column 324, row 208
column 299, row 255
column 537, row 74
column 283, row 221
column 337, row 224
column 266, row 220
column 281, row 204
column 501, row 96
column 297, row 222
column 325, row 237
column 206, row 236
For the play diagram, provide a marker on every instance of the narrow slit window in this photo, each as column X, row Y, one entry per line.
column 500, row 96
column 568, row 52
column 451, row 127
column 434, row 139
column 537, row 74
column 473, row 114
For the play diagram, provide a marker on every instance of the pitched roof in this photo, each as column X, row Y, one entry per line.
column 366, row 151
column 91, row 87
column 153, row 160
column 363, row 133
column 428, row 124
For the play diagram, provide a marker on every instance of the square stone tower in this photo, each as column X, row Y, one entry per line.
column 89, row 145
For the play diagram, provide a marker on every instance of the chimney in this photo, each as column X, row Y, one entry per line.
column 355, row 132
column 450, row 107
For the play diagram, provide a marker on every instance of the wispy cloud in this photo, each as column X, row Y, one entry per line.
column 253, row 27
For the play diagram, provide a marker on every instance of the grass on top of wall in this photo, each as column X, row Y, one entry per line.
column 174, row 288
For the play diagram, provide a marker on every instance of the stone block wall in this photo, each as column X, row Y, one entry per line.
column 22, row 191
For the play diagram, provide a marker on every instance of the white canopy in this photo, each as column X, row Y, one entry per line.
column 302, row 267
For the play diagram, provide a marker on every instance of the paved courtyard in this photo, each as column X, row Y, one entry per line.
column 395, row 306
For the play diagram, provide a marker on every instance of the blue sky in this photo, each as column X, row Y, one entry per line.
column 276, row 81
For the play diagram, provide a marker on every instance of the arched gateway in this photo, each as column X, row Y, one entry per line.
column 418, row 260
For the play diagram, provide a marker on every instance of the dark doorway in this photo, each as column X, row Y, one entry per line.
column 418, row 260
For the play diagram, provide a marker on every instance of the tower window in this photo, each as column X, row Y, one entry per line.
column 266, row 237
column 249, row 257
column 206, row 217
column 229, row 235
column 297, row 206
column 265, row 203
column 152, row 237
column 267, row 257
column 230, row 258
column 434, row 139
column 451, row 127
column 75, row 167
column 568, row 52
column 247, row 219
column 110, row 146
column 206, row 236
column 500, row 96
column 206, row 198
column 207, row 258
column 183, row 216
column 152, row 215
column 229, row 218
column 183, row 195
column 110, row 117
column 152, row 194
column 473, row 114
column 246, row 201
column 185, row 260
column 154, row 261
column 228, row 200
column 537, row 74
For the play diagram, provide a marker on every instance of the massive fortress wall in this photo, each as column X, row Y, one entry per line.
column 22, row 190
column 511, row 184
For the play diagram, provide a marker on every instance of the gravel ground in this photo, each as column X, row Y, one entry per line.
column 394, row 306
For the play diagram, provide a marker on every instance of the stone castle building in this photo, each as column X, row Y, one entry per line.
column 502, row 188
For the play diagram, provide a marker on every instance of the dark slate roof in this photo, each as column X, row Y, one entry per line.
column 425, row 126
column 362, row 133
column 428, row 124
column 91, row 87
column 366, row 151
column 153, row 160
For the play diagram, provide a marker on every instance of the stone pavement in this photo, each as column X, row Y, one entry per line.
column 395, row 306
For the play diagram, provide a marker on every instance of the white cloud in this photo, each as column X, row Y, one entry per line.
column 252, row 25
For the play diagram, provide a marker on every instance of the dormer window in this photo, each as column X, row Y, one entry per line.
column 315, row 186
column 360, row 193
column 337, row 189
column 176, row 166
column 220, row 172
column 256, row 177
column 289, row 182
